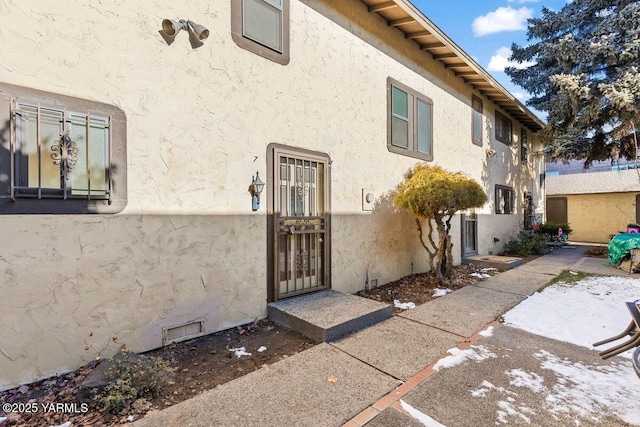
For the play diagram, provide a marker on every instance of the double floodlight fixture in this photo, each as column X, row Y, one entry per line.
column 171, row 28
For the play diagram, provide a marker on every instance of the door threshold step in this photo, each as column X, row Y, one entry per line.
column 493, row 261
column 328, row 315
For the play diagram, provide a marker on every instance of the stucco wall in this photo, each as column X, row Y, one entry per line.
column 188, row 245
column 592, row 217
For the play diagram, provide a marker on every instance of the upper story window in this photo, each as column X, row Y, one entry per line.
column 504, row 130
column 64, row 155
column 476, row 120
column 505, row 198
column 410, row 122
column 262, row 27
column 524, row 145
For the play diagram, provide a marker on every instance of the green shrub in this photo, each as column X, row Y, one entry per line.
column 131, row 377
column 526, row 244
column 551, row 228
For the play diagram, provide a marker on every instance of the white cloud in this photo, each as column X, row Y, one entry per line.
column 521, row 96
column 500, row 61
column 502, row 19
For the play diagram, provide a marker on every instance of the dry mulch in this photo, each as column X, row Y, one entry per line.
column 198, row 365
column 419, row 288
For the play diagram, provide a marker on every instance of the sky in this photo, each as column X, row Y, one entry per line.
column 485, row 29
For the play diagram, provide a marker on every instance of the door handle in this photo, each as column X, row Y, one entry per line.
column 287, row 228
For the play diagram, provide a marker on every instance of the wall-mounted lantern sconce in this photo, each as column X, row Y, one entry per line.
column 197, row 33
column 255, row 189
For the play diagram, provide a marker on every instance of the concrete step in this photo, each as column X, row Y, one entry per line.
column 493, row 261
column 328, row 315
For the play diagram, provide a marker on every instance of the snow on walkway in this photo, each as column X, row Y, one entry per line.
column 580, row 313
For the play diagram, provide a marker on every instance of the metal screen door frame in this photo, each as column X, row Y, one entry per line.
column 298, row 226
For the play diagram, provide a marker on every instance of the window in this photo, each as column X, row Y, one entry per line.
column 262, row 27
column 557, row 209
column 63, row 154
column 504, row 199
column 469, row 233
column 503, row 129
column 410, row 122
column 476, row 120
column 524, row 145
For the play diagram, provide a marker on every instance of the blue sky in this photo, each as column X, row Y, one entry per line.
column 485, row 29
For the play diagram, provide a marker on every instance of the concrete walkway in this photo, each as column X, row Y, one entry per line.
column 381, row 374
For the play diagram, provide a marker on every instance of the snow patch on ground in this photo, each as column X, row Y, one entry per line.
column 487, row 332
column 239, row 352
column 580, row 313
column 423, row 418
column 476, row 353
column 403, row 305
column 508, row 408
column 579, row 390
column 437, row 292
column 480, row 275
column 590, row 390
column 530, row 380
column 262, row 348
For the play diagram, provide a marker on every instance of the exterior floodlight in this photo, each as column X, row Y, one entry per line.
column 171, row 28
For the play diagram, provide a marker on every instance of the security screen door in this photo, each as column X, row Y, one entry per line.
column 300, row 226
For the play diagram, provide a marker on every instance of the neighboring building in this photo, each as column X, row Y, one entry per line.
column 577, row 167
column 128, row 158
column 595, row 205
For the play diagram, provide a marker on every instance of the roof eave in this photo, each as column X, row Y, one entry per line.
column 405, row 17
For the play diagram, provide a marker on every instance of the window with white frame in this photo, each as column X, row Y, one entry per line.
column 504, row 129
column 505, row 198
column 262, row 27
column 410, row 122
column 64, row 154
column 476, row 120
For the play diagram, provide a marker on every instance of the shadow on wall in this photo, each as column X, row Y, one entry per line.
column 378, row 245
column 84, row 279
column 500, row 166
column 24, row 166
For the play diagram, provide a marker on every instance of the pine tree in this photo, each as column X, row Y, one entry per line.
column 586, row 76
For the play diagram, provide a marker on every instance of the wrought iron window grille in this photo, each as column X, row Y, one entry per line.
column 83, row 160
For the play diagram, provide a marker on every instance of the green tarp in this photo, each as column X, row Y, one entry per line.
column 620, row 246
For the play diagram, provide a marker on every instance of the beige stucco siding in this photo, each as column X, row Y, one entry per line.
column 593, row 217
column 188, row 246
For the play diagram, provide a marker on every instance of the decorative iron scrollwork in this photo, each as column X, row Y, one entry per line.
column 65, row 154
column 303, row 191
column 301, row 261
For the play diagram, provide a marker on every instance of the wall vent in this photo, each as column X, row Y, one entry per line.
column 183, row 331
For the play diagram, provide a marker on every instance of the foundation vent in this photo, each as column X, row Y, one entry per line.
column 183, row 331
